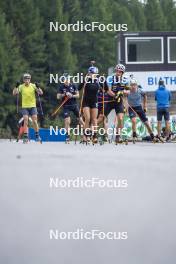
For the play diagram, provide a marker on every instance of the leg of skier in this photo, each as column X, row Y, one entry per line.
column 86, row 112
column 36, row 127
column 120, row 117
column 93, row 117
column 25, row 136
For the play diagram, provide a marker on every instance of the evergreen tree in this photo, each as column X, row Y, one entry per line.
column 156, row 20
column 25, row 18
column 11, row 66
column 169, row 10
column 137, row 12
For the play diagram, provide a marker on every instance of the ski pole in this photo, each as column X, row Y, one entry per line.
column 17, row 98
column 17, row 103
column 40, row 103
column 58, row 108
column 81, row 104
column 80, row 110
column 103, row 102
column 39, row 99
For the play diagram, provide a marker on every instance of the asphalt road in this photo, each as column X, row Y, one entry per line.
column 144, row 210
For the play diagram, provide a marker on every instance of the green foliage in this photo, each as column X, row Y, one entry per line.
column 156, row 21
column 27, row 45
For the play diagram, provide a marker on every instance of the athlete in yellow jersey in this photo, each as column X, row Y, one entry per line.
column 28, row 92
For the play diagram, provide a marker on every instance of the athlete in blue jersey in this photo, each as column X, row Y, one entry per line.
column 118, row 85
column 137, row 106
column 70, row 91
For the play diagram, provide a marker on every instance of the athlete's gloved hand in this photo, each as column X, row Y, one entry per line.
column 145, row 109
column 69, row 95
column 127, row 87
column 17, row 84
column 37, row 84
column 118, row 96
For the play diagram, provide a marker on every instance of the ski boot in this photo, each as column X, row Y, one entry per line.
column 126, row 141
column 88, row 140
column 25, row 139
column 100, row 140
column 87, row 137
column 154, row 139
column 161, row 139
column 94, row 139
column 118, row 140
column 168, row 139
column 105, row 138
column 134, row 139
column 67, row 140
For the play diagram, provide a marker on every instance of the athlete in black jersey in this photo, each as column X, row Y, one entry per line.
column 118, row 84
column 90, row 103
column 103, row 100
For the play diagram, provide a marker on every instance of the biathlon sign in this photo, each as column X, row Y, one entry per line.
column 149, row 80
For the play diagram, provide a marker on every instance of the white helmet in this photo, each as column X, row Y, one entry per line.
column 133, row 81
column 120, row 67
column 26, row 76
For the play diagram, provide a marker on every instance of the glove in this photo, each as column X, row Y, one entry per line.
column 17, row 84
column 69, row 95
column 118, row 96
column 37, row 84
column 145, row 109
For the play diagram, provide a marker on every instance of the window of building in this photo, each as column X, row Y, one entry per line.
column 171, row 49
column 144, row 50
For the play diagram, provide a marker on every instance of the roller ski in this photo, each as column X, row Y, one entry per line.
column 25, row 139
column 134, row 139
column 100, row 141
column 94, row 139
column 38, row 139
column 67, row 141
column 160, row 139
column 154, row 139
column 88, row 140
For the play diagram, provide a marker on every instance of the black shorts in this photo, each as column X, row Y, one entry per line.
column 138, row 111
column 118, row 107
column 163, row 112
column 29, row 111
column 67, row 109
column 90, row 103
